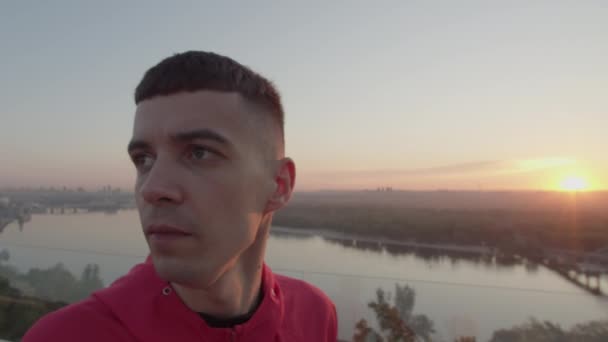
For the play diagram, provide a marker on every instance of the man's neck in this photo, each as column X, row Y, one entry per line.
column 237, row 291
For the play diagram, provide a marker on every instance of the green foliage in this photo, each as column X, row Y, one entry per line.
column 396, row 321
column 56, row 283
column 534, row 330
column 18, row 313
column 363, row 333
column 52, row 288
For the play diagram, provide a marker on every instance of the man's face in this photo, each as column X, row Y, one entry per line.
column 204, row 177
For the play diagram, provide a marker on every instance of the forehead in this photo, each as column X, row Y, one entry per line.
column 225, row 113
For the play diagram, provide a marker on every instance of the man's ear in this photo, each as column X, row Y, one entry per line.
column 284, row 182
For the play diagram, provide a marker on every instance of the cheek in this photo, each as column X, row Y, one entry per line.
column 214, row 196
column 238, row 187
column 140, row 202
column 227, row 201
column 225, row 206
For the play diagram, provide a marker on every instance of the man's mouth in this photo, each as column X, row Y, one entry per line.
column 164, row 233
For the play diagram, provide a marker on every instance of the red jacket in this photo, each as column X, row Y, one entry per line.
column 142, row 307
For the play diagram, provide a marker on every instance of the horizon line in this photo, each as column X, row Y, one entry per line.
column 378, row 189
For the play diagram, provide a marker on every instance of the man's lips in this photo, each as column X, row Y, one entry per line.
column 165, row 230
column 164, row 237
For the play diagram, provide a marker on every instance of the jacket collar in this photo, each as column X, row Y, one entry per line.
column 151, row 310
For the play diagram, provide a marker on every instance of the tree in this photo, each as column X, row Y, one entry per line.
column 89, row 280
column 18, row 313
column 534, row 330
column 4, row 255
column 363, row 333
column 397, row 322
column 57, row 283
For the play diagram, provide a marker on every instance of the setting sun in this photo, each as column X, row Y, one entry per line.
column 573, row 183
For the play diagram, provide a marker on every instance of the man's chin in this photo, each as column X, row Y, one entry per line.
column 184, row 272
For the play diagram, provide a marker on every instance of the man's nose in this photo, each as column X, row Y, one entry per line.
column 161, row 186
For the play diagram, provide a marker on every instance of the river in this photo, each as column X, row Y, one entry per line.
column 461, row 297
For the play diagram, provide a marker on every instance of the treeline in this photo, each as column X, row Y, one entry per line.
column 25, row 297
column 18, row 312
column 55, row 283
column 534, row 330
column 507, row 229
column 397, row 322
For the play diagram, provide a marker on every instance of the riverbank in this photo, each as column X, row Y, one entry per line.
column 512, row 231
column 381, row 241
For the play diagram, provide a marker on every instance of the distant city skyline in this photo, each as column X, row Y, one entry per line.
column 409, row 95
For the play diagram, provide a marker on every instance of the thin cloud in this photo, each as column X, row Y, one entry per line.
column 461, row 169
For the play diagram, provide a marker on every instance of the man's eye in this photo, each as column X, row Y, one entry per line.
column 142, row 161
column 200, row 153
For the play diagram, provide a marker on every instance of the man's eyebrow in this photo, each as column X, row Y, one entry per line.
column 203, row 134
column 137, row 144
column 182, row 137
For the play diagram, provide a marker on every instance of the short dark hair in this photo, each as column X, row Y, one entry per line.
column 199, row 70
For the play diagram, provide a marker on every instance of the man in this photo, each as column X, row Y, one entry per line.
column 208, row 147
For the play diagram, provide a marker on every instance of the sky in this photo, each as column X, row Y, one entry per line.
column 419, row 95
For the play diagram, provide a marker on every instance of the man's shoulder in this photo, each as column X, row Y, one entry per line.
column 86, row 320
column 300, row 292
column 300, row 288
column 93, row 319
column 305, row 305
